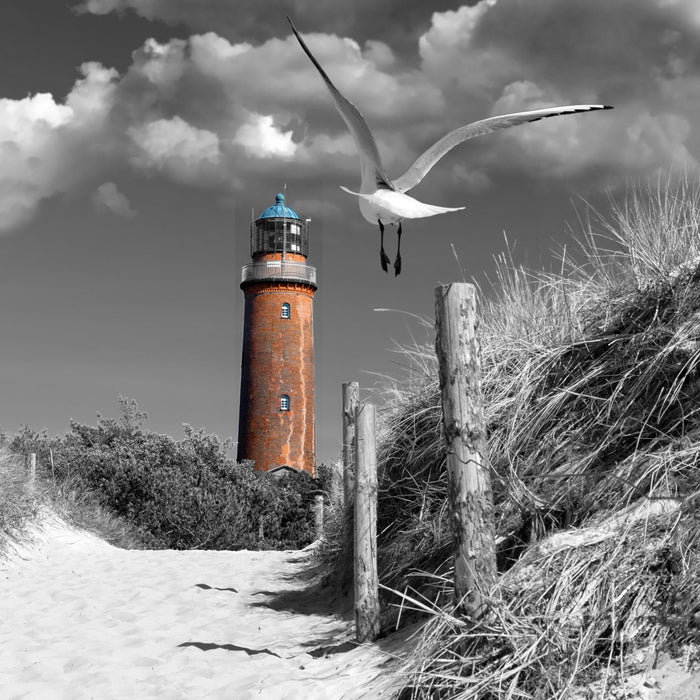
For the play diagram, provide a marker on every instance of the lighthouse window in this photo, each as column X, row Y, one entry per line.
column 285, row 311
column 284, row 402
column 294, row 238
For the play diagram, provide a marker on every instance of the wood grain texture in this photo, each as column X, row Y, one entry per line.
column 366, row 581
column 469, row 482
column 351, row 399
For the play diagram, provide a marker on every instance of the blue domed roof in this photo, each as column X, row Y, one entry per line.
column 278, row 209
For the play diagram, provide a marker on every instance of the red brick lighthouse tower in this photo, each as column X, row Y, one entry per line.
column 276, row 419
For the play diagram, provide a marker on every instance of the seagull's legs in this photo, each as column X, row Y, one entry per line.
column 383, row 257
column 397, row 262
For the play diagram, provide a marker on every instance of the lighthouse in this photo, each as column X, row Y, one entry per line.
column 276, row 418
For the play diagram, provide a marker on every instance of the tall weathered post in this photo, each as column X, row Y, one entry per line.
column 351, row 399
column 469, row 481
column 366, row 581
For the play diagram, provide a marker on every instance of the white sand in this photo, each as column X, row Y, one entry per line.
column 82, row 619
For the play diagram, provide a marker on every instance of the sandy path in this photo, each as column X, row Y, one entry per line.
column 82, row 619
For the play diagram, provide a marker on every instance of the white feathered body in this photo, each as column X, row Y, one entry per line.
column 391, row 207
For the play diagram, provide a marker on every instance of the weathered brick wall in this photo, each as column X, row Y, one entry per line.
column 277, row 359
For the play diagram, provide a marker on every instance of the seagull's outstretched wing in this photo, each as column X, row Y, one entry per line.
column 373, row 173
column 485, row 126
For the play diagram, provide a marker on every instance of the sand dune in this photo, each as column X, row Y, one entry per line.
column 82, row 619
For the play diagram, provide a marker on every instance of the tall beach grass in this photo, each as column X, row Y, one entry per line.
column 25, row 503
column 591, row 381
column 18, row 504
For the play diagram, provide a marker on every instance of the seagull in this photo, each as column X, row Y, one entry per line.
column 383, row 200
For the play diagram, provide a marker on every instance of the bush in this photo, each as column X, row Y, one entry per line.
column 180, row 494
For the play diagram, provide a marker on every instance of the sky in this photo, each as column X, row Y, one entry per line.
column 137, row 136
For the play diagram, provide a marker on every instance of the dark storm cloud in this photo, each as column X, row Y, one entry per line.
column 623, row 45
column 639, row 55
column 396, row 22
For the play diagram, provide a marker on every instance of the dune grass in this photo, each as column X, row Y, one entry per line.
column 22, row 503
column 83, row 508
column 18, row 503
column 591, row 380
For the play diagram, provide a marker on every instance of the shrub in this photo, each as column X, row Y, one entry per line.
column 184, row 494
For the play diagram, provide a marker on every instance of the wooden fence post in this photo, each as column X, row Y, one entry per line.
column 31, row 468
column 469, row 481
column 351, row 399
column 318, row 516
column 366, row 582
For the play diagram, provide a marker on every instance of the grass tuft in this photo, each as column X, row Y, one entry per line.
column 18, row 501
column 22, row 502
column 591, row 381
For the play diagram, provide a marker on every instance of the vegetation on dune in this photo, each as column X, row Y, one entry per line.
column 184, row 494
column 591, row 382
column 22, row 502
column 17, row 501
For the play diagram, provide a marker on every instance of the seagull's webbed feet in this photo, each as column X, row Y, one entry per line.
column 397, row 262
column 383, row 257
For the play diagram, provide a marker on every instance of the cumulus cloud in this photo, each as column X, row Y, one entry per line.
column 46, row 147
column 172, row 146
column 208, row 111
column 28, row 134
column 108, row 199
column 639, row 55
column 260, row 137
column 264, row 101
column 101, row 7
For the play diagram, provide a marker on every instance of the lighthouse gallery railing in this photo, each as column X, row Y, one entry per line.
column 278, row 269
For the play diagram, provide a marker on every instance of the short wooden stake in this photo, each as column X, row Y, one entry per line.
column 351, row 399
column 31, row 467
column 318, row 516
column 366, row 583
column 469, row 482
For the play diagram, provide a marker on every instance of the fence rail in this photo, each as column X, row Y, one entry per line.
column 278, row 269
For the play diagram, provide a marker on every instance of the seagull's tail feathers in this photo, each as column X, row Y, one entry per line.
column 419, row 210
column 362, row 195
column 389, row 205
